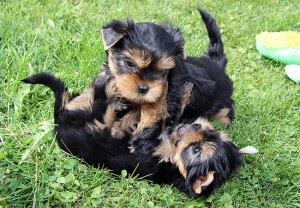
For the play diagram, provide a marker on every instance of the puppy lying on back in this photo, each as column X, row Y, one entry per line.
column 194, row 158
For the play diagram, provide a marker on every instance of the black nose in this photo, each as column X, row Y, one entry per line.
column 196, row 126
column 142, row 88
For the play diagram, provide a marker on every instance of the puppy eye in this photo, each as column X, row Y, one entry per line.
column 129, row 64
column 196, row 149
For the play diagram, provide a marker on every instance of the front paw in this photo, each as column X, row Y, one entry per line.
column 117, row 131
column 122, row 107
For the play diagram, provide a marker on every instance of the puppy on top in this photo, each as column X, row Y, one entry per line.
column 147, row 69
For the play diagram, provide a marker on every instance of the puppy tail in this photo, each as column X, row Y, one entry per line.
column 56, row 85
column 215, row 49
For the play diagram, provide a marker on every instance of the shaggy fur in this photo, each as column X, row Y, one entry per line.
column 139, row 58
column 142, row 57
column 212, row 90
column 195, row 158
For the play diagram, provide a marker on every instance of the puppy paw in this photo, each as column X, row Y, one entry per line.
column 223, row 118
column 122, row 107
column 117, row 131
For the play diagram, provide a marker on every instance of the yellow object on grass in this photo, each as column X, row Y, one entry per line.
column 280, row 46
column 288, row 39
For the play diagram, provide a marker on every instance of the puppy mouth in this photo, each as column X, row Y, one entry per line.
column 181, row 130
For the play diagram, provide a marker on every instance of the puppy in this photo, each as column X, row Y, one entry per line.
column 139, row 58
column 205, row 157
column 194, row 158
column 212, row 88
column 139, row 66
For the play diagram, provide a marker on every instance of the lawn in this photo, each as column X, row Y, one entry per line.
column 61, row 37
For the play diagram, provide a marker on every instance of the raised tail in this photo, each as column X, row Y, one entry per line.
column 215, row 49
column 56, row 85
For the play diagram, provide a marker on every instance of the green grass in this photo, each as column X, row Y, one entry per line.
column 61, row 37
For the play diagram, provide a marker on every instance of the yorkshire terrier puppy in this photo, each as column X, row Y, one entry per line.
column 212, row 88
column 194, row 158
column 139, row 58
column 148, row 69
column 204, row 157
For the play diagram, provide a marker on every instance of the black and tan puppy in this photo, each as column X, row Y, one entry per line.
column 212, row 88
column 147, row 67
column 139, row 58
column 195, row 158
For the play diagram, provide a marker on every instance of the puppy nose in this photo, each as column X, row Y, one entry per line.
column 142, row 88
column 197, row 126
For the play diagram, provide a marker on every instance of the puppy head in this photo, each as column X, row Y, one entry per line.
column 140, row 57
column 204, row 156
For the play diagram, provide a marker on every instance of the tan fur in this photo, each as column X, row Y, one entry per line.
column 127, row 87
column 224, row 136
column 208, row 150
column 192, row 136
column 188, row 87
column 222, row 117
column 172, row 147
column 167, row 149
column 152, row 105
column 129, row 121
column 95, row 126
column 107, row 32
column 65, row 98
column 153, row 112
column 204, row 123
column 111, row 65
column 83, row 101
column 180, row 165
column 111, row 89
column 139, row 57
column 202, row 182
column 165, row 62
column 110, row 116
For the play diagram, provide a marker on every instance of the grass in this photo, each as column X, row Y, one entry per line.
column 61, row 37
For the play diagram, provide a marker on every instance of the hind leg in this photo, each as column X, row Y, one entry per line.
column 225, row 115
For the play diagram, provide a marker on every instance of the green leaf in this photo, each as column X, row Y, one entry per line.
column 150, row 204
column 2, row 154
column 96, row 192
column 71, row 164
column 55, row 185
column 61, row 180
column 69, row 196
column 124, row 173
column 18, row 101
column 69, row 178
column 51, row 23
column 46, row 128
column 226, row 200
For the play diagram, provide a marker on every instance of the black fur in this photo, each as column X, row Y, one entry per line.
column 212, row 87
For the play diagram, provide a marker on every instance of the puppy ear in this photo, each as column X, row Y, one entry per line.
column 113, row 32
column 202, row 182
column 177, row 37
column 248, row 150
